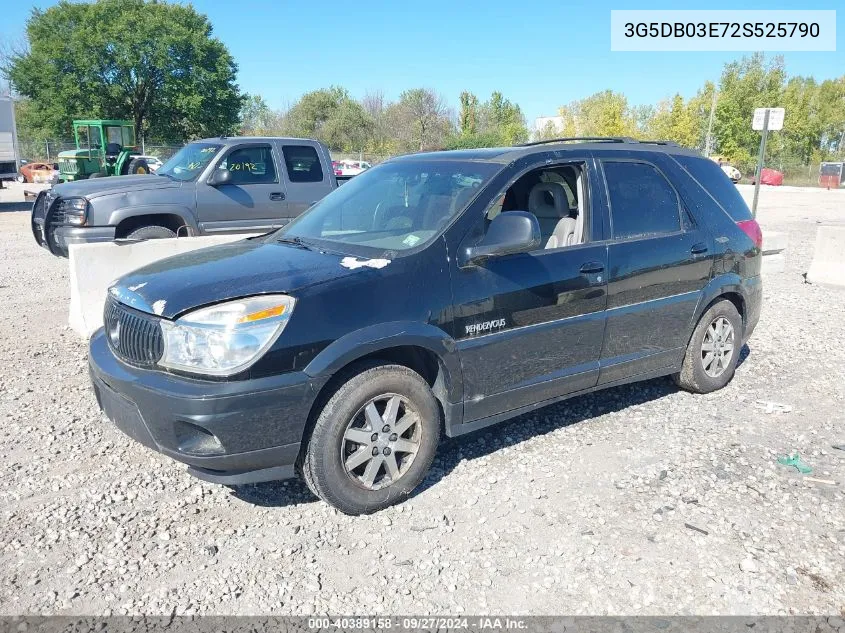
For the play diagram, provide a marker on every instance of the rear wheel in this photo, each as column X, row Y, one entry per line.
column 374, row 440
column 150, row 232
column 713, row 350
column 138, row 166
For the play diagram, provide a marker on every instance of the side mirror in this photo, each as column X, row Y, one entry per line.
column 219, row 177
column 510, row 232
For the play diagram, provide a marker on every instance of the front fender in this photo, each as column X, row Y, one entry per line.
column 116, row 216
column 374, row 338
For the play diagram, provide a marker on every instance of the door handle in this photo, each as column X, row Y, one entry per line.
column 592, row 267
column 698, row 248
column 277, row 195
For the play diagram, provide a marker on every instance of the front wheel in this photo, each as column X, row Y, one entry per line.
column 374, row 440
column 713, row 350
column 150, row 232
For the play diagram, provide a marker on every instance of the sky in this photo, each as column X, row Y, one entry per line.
column 539, row 54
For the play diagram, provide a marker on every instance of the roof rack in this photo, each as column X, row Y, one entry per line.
column 602, row 139
column 606, row 139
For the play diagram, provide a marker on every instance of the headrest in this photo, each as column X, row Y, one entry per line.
column 538, row 200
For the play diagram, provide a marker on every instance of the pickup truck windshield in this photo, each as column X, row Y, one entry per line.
column 394, row 206
column 188, row 162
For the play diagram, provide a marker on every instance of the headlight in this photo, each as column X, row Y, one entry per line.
column 74, row 209
column 226, row 338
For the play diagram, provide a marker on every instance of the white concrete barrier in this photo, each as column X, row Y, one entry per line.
column 828, row 266
column 774, row 256
column 93, row 267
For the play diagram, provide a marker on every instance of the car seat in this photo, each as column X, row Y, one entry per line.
column 548, row 202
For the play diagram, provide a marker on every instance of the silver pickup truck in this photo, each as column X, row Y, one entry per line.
column 216, row 185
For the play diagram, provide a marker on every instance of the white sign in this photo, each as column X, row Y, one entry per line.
column 775, row 119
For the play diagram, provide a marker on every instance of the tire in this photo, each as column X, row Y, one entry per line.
column 20, row 178
column 701, row 372
column 138, row 166
column 414, row 423
column 150, row 232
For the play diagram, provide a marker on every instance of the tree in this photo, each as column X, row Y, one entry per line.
column 152, row 62
column 331, row 116
column 420, row 119
column 602, row 114
column 676, row 121
column 468, row 117
column 745, row 85
column 380, row 141
column 258, row 118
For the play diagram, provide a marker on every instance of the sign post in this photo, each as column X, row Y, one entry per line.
column 765, row 119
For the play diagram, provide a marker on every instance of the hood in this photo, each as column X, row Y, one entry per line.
column 96, row 187
column 172, row 286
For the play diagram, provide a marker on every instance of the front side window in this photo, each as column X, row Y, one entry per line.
column 189, row 162
column 642, row 202
column 395, row 206
column 251, row 165
column 302, row 163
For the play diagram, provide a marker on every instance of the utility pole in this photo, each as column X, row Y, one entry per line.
column 760, row 162
column 708, row 147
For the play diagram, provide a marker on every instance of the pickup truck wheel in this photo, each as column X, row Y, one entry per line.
column 713, row 350
column 373, row 441
column 150, row 232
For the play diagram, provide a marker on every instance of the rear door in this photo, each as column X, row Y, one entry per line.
column 253, row 201
column 307, row 180
column 659, row 261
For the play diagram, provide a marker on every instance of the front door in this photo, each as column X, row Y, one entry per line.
column 254, row 200
column 660, row 260
column 530, row 326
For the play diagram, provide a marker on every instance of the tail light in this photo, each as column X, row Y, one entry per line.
column 752, row 230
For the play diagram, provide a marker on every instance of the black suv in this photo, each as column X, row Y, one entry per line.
column 434, row 293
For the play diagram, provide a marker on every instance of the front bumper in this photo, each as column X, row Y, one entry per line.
column 64, row 236
column 227, row 432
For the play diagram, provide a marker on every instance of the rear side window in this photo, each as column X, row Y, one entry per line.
column 642, row 202
column 250, row 165
column 713, row 179
column 302, row 163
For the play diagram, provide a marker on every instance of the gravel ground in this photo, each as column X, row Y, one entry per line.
column 636, row 500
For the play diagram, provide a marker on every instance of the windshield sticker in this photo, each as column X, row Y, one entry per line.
column 353, row 262
column 411, row 240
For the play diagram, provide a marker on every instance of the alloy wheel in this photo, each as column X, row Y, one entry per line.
column 717, row 348
column 381, row 441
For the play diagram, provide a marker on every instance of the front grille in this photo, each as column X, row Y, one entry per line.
column 68, row 166
column 134, row 337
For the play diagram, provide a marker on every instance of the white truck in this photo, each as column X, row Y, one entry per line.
column 9, row 160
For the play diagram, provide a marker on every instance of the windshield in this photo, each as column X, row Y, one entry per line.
column 394, row 206
column 188, row 162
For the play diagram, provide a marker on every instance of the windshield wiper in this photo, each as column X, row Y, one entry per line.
column 296, row 241
column 158, row 173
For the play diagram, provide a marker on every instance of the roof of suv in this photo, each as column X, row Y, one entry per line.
column 508, row 154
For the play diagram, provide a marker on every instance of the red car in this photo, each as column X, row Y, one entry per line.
column 42, row 172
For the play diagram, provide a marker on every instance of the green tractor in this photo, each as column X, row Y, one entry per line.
column 104, row 147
